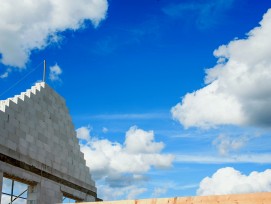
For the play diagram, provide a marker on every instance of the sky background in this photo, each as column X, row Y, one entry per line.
column 158, row 103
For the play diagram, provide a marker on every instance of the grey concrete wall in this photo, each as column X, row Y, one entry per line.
column 37, row 136
column 44, row 192
column 41, row 190
column 1, row 183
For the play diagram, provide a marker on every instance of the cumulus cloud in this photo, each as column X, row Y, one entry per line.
column 139, row 141
column 226, row 144
column 31, row 25
column 230, row 181
column 238, row 88
column 55, row 72
column 83, row 133
column 125, row 162
column 120, row 168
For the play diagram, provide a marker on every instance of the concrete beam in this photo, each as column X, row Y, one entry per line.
column 9, row 160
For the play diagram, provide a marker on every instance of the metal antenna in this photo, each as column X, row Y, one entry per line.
column 44, row 70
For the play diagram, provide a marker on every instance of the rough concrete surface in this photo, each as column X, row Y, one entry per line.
column 38, row 145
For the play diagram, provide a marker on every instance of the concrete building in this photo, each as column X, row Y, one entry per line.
column 38, row 147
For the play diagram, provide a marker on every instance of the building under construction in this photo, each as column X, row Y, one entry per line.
column 39, row 148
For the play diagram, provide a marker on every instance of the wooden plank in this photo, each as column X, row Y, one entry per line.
column 112, row 202
column 157, row 201
column 253, row 198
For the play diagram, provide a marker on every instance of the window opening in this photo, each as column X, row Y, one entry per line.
column 14, row 192
column 68, row 200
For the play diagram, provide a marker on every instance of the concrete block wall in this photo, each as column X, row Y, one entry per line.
column 1, row 182
column 36, row 129
column 44, row 192
column 41, row 190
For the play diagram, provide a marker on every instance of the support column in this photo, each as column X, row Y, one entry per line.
column 1, row 184
column 89, row 198
column 44, row 192
column 33, row 194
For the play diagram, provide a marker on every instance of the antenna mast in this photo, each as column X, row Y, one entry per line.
column 44, row 70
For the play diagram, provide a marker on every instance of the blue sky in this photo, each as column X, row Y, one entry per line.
column 123, row 66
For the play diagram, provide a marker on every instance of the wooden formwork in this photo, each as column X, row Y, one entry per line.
column 253, row 198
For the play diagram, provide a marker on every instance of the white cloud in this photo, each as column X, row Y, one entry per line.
column 55, row 72
column 5, row 74
column 105, row 130
column 165, row 186
column 226, row 144
column 31, row 25
column 139, row 141
column 123, row 162
column 120, row 168
column 130, row 192
column 83, row 133
column 230, row 181
column 6, row 199
column 238, row 88
column 159, row 191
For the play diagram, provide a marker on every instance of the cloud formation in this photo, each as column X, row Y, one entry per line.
column 238, row 88
column 83, row 133
column 55, row 72
column 5, row 74
column 30, row 25
column 122, row 164
column 130, row 192
column 230, row 181
column 157, row 192
column 105, row 130
column 226, row 144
